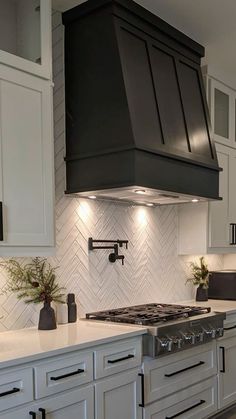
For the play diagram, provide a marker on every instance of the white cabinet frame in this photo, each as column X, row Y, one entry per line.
column 44, row 69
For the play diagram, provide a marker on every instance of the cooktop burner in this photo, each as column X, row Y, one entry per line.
column 148, row 314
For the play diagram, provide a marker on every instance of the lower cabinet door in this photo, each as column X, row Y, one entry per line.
column 119, row 397
column 196, row 402
column 76, row 404
column 227, row 374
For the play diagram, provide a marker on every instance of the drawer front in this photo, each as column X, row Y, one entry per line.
column 196, row 402
column 16, row 388
column 164, row 375
column 63, row 373
column 118, row 357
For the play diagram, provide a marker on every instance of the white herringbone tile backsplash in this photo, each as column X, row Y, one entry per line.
column 152, row 270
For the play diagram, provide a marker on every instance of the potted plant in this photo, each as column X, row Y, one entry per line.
column 35, row 282
column 200, row 277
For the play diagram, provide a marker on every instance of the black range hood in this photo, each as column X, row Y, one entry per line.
column 137, row 123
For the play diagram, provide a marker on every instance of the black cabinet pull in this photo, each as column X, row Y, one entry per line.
column 33, row 414
column 185, row 369
column 186, row 410
column 7, row 393
column 142, row 404
column 114, row 361
column 70, row 374
column 233, row 234
column 230, row 328
column 43, row 411
column 223, row 358
column 1, row 222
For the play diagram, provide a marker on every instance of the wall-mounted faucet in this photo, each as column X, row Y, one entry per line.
column 114, row 256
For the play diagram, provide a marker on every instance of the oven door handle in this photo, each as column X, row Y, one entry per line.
column 185, row 369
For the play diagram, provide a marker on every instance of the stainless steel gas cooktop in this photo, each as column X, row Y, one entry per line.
column 148, row 314
column 171, row 328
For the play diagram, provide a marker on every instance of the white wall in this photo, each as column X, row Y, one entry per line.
column 152, row 272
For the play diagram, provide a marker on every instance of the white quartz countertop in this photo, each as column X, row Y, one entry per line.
column 226, row 306
column 25, row 345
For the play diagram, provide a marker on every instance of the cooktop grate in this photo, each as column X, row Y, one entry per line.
column 147, row 314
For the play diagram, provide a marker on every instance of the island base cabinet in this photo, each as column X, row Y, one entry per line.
column 77, row 404
column 119, row 397
column 227, row 374
column 196, row 402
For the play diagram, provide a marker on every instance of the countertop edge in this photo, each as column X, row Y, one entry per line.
column 38, row 356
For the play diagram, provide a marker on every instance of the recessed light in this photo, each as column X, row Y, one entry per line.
column 92, row 197
column 195, row 200
column 140, row 191
column 150, row 205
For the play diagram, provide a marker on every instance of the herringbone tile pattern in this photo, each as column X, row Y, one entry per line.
column 152, row 270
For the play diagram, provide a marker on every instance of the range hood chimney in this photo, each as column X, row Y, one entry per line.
column 137, row 125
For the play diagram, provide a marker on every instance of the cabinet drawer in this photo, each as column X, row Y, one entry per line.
column 63, row 373
column 163, row 376
column 118, row 357
column 16, row 388
column 195, row 402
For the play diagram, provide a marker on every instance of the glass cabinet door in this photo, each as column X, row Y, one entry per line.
column 221, row 116
column 25, row 34
column 223, row 113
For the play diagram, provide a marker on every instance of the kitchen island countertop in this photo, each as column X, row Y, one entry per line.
column 26, row 345
column 227, row 306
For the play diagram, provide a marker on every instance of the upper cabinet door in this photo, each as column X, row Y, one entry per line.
column 219, row 225
column 25, row 41
column 222, row 108
column 27, row 175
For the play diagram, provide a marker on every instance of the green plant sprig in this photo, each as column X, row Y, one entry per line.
column 34, row 282
column 200, row 273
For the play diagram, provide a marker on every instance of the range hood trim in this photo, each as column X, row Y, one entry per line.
column 92, row 174
column 180, row 158
column 88, row 7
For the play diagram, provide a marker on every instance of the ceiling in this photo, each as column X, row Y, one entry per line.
column 210, row 22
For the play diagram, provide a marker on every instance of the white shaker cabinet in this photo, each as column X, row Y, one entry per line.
column 26, row 163
column 211, row 227
column 25, row 41
column 227, row 371
column 64, row 387
column 196, row 402
column 222, row 106
column 119, row 397
column 76, row 404
column 222, row 214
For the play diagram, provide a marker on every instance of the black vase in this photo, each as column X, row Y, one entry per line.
column 47, row 318
column 202, row 294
